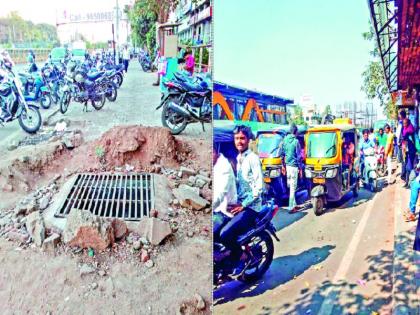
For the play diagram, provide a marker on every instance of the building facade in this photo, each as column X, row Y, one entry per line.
column 195, row 19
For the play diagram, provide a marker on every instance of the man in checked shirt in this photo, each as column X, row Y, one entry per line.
column 249, row 181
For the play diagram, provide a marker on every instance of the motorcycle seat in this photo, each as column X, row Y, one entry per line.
column 95, row 75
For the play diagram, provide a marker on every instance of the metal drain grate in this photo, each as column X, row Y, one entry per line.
column 124, row 196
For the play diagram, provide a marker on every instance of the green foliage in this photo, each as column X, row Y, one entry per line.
column 374, row 84
column 27, row 34
column 296, row 117
column 143, row 24
column 100, row 152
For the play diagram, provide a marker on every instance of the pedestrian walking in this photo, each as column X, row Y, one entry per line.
column 398, row 134
column 290, row 152
column 389, row 148
column 410, row 214
column 126, row 57
column 408, row 148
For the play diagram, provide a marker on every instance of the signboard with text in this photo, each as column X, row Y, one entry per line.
column 66, row 17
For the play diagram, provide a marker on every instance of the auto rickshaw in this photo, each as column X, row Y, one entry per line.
column 329, row 177
column 268, row 149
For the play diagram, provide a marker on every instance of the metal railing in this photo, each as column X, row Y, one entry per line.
column 20, row 55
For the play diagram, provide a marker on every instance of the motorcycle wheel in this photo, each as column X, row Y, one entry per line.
column 99, row 102
column 356, row 189
column 46, row 101
column 64, row 102
column 374, row 185
column 317, row 205
column 381, row 170
column 263, row 249
column 112, row 95
column 30, row 121
column 118, row 79
column 172, row 120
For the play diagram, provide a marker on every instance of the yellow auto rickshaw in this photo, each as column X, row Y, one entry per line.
column 268, row 144
column 331, row 158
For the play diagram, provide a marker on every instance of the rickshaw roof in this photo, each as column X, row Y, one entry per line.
column 333, row 127
column 223, row 129
column 283, row 129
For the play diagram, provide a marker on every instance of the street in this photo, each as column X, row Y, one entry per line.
column 356, row 258
column 135, row 104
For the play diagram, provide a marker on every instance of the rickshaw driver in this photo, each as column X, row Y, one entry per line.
column 348, row 157
column 249, row 181
column 365, row 144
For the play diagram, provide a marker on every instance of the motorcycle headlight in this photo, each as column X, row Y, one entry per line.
column 275, row 173
column 308, row 173
column 331, row 173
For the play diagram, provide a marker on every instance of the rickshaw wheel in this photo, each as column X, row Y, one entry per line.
column 318, row 205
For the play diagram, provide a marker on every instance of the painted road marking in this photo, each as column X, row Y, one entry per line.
column 346, row 261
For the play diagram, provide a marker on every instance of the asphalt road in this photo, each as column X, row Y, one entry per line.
column 135, row 104
column 338, row 263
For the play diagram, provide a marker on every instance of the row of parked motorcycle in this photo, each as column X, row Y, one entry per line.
column 59, row 82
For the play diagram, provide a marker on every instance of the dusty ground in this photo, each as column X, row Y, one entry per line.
column 34, row 282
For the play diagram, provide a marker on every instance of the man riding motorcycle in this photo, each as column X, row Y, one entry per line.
column 7, row 63
column 249, row 180
column 365, row 144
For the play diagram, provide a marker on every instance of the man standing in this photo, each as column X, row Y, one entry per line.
column 381, row 139
column 224, row 191
column 126, row 57
column 408, row 149
column 290, row 152
column 389, row 148
column 249, row 179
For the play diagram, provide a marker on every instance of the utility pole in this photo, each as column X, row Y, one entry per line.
column 117, row 29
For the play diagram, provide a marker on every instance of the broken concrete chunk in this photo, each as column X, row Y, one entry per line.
column 43, row 203
column 18, row 237
column 85, row 230
column 120, row 228
column 187, row 171
column 153, row 229
column 36, row 227
column 187, row 197
column 51, row 242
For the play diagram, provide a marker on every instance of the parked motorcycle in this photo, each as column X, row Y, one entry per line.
column 32, row 81
column 369, row 174
column 258, row 246
column 145, row 62
column 187, row 100
column 13, row 100
column 82, row 87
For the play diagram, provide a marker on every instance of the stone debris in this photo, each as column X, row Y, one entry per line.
column 18, row 236
column 51, row 242
column 201, row 304
column 43, row 203
column 85, row 230
column 137, row 245
column 144, row 256
column 86, row 269
column 120, row 228
column 188, row 198
column 186, row 171
column 36, row 227
column 149, row 264
column 153, row 230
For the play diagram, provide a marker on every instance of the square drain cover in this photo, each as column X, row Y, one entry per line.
column 123, row 196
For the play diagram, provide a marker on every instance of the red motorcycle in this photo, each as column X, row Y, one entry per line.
column 380, row 155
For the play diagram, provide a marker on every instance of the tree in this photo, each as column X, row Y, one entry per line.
column 297, row 116
column 374, row 84
column 327, row 110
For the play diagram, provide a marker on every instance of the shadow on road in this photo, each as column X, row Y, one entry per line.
column 282, row 270
column 345, row 298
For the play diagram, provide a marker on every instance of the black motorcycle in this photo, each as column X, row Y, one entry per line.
column 145, row 62
column 12, row 100
column 258, row 246
column 186, row 101
column 82, row 87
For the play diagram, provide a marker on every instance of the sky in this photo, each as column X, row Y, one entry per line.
column 293, row 48
column 43, row 11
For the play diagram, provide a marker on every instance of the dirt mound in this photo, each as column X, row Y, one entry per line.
column 139, row 146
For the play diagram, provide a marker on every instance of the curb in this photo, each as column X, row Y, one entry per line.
column 405, row 288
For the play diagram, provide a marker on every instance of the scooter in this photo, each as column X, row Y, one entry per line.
column 369, row 173
column 257, row 244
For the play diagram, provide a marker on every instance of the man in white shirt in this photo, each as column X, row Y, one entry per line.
column 126, row 57
column 249, row 180
column 224, row 191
